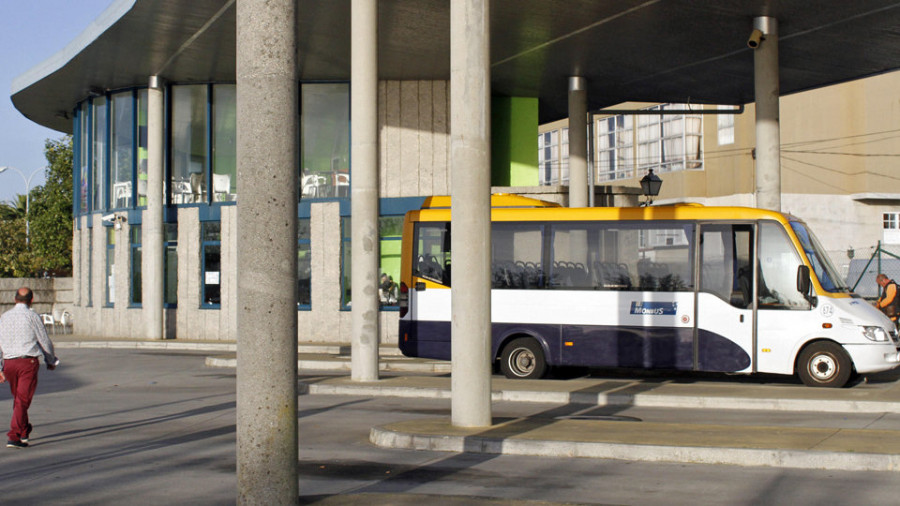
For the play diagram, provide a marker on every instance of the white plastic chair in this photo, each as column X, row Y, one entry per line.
column 66, row 322
column 221, row 187
column 47, row 319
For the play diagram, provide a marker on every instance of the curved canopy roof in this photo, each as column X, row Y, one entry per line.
column 682, row 51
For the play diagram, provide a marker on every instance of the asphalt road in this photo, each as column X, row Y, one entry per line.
column 139, row 427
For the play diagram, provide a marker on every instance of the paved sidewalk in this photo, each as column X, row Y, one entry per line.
column 755, row 444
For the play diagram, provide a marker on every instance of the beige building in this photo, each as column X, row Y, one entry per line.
column 840, row 146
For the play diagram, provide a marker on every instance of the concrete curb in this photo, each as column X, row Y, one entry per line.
column 636, row 400
column 343, row 364
column 386, row 437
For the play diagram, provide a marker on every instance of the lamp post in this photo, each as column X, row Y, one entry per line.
column 27, row 181
column 650, row 185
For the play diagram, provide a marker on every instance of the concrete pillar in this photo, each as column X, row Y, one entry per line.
column 470, row 189
column 267, row 161
column 578, row 166
column 364, row 195
column 768, row 129
column 153, row 256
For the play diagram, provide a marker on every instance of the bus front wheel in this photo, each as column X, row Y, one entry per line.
column 523, row 358
column 824, row 364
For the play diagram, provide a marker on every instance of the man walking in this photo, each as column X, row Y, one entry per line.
column 22, row 340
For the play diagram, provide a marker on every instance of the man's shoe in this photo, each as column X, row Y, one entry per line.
column 24, row 439
column 16, row 444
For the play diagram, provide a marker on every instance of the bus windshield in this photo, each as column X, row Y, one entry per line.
column 828, row 276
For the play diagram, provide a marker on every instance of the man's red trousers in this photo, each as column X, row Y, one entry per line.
column 22, row 375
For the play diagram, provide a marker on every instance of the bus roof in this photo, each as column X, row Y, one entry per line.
column 497, row 200
column 553, row 212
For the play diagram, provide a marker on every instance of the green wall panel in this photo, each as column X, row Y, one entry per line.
column 514, row 129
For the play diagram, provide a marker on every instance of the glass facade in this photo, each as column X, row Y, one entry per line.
column 188, row 144
column 99, row 153
column 346, row 263
column 170, row 243
column 136, row 286
column 211, row 248
column 325, row 140
column 390, row 232
column 122, row 136
column 110, row 267
column 142, row 148
column 304, row 265
column 111, row 174
column 224, row 143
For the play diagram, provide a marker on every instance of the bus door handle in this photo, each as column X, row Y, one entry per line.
column 742, row 318
column 420, row 286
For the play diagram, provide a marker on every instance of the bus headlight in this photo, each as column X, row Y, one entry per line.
column 873, row 333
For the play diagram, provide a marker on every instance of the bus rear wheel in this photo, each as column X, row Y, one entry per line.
column 824, row 364
column 523, row 358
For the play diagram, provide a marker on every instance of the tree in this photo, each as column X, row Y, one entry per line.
column 48, row 250
column 16, row 260
column 50, row 214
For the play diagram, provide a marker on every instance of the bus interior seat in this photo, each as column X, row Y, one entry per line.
column 612, row 276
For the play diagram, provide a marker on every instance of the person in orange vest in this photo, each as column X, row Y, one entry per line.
column 889, row 302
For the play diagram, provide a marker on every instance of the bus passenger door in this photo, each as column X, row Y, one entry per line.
column 724, row 318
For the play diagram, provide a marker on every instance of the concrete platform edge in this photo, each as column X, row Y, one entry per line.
column 799, row 459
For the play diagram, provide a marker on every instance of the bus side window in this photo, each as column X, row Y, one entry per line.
column 516, row 255
column 778, row 262
column 726, row 253
column 432, row 252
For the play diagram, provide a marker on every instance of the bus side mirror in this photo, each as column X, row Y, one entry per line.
column 804, row 283
column 803, row 279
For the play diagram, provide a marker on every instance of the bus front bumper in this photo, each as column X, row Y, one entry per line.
column 873, row 358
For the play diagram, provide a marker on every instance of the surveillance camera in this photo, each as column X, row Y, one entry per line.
column 756, row 37
column 108, row 217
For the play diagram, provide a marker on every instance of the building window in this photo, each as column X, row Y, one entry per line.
column 82, row 162
column 346, row 262
column 615, row 148
column 211, row 250
column 98, row 151
column 325, row 140
column 669, row 142
column 122, row 139
column 170, row 244
column 891, row 225
column 135, row 241
column 142, row 148
column 90, row 266
column 553, row 156
column 390, row 232
column 304, row 265
column 548, row 157
column 110, row 266
column 224, row 143
column 725, row 125
column 188, row 144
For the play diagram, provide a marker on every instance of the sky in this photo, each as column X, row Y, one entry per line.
column 30, row 32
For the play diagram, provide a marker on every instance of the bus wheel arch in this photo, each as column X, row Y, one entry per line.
column 523, row 357
column 824, row 363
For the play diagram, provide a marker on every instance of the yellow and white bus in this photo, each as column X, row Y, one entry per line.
column 675, row 287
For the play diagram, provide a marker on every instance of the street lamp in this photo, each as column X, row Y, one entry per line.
column 27, row 196
column 650, row 185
